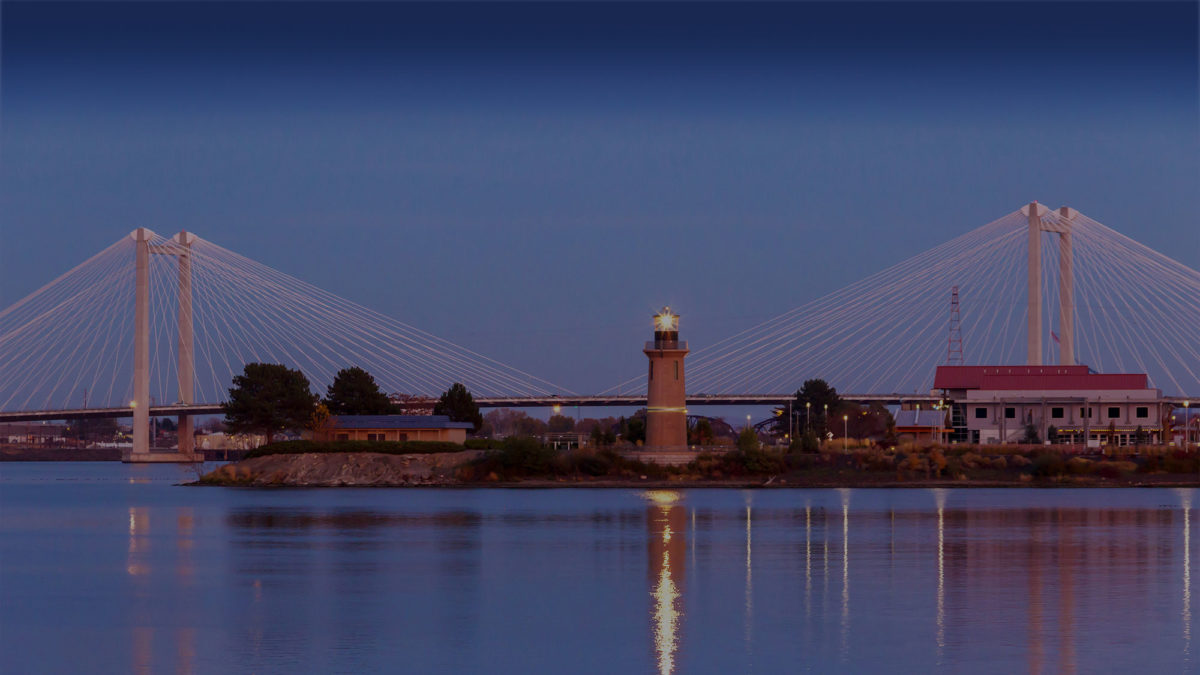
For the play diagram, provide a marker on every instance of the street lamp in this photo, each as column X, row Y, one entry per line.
column 845, row 432
column 807, row 414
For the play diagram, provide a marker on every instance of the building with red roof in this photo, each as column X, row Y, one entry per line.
column 995, row 404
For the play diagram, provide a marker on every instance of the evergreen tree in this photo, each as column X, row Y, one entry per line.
column 822, row 402
column 354, row 392
column 268, row 398
column 458, row 404
column 748, row 440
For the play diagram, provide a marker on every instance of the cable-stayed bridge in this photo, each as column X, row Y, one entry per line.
column 164, row 323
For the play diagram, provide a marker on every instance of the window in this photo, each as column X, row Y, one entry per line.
column 374, row 437
column 403, row 437
column 1143, row 412
column 980, row 413
column 343, row 437
column 1010, row 413
column 1085, row 413
column 677, row 370
column 1056, row 413
column 1114, row 412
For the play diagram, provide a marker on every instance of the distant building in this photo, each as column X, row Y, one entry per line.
column 222, row 441
column 921, row 423
column 394, row 428
column 32, row 433
column 994, row 404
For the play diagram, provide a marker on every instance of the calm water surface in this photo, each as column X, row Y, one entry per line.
column 111, row 568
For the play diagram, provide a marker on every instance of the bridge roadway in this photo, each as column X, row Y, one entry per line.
column 484, row 402
column 512, row 402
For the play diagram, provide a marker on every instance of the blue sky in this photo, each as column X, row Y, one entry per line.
column 516, row 177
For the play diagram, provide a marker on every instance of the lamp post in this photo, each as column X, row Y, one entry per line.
column 807, row 414
column 825, row 418
column 845, row 432
column 790, row 420
column 1187, row 426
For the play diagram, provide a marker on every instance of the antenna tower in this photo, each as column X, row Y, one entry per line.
column 954, row 350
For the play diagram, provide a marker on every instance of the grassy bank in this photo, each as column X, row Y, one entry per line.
column 518, row 460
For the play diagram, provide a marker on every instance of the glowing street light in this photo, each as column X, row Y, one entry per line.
column 845, row 432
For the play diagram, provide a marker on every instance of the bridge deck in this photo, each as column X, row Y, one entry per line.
column 513, row 402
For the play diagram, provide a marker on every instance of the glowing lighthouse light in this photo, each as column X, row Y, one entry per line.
column 665, row 320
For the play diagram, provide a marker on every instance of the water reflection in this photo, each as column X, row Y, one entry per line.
column 666, row 550
column 1185, row 500
column 845, row 574
column 939, row 496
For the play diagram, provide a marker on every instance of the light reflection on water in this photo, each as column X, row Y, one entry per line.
column 100, row 573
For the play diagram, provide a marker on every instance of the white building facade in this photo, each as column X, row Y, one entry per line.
column 1065, row 404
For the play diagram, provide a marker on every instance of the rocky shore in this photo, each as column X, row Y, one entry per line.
column 351, row 469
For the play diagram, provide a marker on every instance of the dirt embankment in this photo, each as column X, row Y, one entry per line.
column 365, row 469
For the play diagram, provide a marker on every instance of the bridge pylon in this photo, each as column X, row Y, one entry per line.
column 180, row 247
column 1066, row 283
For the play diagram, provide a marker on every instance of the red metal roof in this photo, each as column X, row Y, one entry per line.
column 1033, row 378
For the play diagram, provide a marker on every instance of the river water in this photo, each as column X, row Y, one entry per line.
column 113, row 568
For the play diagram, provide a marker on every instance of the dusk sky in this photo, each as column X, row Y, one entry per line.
column 532, row 181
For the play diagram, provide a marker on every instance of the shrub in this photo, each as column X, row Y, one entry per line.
column 762, row 461
column 481, row 444
column 385, row 447
column 1079, row 466
column 1152, row 464
column 592, row 465
column 1114, row 469
column 1020, row 461
column 1180, row 463
column 1048, row 466
column 523, row 455
column 809, row 443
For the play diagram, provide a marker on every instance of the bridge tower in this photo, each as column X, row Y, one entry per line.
column 1066, row 283
column 666, row 402
column 179, row 246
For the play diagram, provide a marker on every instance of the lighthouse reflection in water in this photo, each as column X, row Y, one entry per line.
column 666, row 548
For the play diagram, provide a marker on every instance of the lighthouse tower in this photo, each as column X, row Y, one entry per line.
column 666, row 411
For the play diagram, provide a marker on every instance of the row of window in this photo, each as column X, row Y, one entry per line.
column 1142, row 412
column 371, row 437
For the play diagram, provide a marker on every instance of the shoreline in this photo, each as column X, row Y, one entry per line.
column 442, row 470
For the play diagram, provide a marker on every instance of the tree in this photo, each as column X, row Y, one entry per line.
column 701, row 432
column 1031, row 434
column 458, row 404
column 633, row 429
column 321, row 422
column 818, row 395
column 559, row 424
column 1052, row 434
column 748, row 440
column 268, row 398
column 354, row 392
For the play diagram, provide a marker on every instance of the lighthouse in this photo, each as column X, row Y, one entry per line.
column 666, row 411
